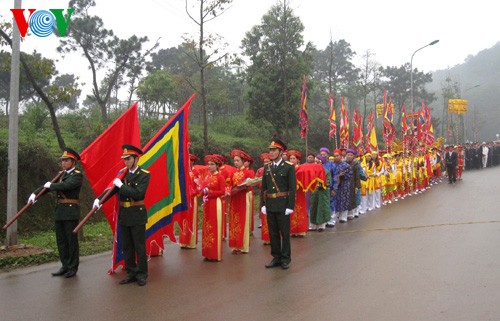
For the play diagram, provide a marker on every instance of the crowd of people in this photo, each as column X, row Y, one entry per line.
column 330, row 188
column 295, row 196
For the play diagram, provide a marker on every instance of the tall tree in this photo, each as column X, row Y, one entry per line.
column 277, row 68
column 33, row 66
column 397, row 82
column 102, row 49
column 208, row 10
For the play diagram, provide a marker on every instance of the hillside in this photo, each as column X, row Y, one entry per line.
column 482, row 69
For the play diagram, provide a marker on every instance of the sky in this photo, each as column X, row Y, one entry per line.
column 391, row 30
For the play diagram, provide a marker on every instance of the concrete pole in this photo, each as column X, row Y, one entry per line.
column 11, row 237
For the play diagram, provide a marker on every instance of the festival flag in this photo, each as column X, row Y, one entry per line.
column 389, row 130
column 371, row 134
column 303, row 115
column 344, row 126
column 101, row 160
column 333, row 120
column 166, row 157
column 404, row 127
column 357, row 130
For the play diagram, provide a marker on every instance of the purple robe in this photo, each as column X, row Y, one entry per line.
column 341, row 186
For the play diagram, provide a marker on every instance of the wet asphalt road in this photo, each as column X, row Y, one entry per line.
column 432, row 256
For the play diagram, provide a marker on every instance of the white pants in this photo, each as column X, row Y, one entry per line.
column 378, row 198
column 364, row 204
column 333, row 218
column 343, row 216
column 485, row 161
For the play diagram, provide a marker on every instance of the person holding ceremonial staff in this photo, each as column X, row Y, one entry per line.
column 67, row 212
column 132, row 216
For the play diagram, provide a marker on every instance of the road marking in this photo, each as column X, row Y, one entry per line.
column 407, row 228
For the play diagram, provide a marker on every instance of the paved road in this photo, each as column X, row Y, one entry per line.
column 433, row 256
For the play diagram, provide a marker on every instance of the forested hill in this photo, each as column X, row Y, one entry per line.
column 478, row 81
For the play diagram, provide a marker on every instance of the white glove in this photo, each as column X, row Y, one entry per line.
column 31, row 199
column 96, row 204
column 205, row 191
column 263, row 210
column 118, row 182
column 47, row 185
column 288, row 211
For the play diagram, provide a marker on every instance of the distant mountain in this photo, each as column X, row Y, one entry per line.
column 479, row 82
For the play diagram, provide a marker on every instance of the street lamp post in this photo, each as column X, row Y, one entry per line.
column 411, row 69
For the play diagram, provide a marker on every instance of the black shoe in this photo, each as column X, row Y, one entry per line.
column 273, row 263
column 70, row 274
column 61, row 272
column 141, row 282
column 128, row 279
column 285, row 265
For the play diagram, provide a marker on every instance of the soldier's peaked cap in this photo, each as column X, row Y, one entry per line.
column 277, row 143
column 70, row 153
column 130, row 150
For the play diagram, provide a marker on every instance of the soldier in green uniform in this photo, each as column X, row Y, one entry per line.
column 67, row 212
column 278, row 195
column 132, row 217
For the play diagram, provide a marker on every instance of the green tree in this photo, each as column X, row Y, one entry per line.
column 34, row 66
column 396, row 80
column 157, row 91
column 207, row 10
column 277, row 68
column 102, row 49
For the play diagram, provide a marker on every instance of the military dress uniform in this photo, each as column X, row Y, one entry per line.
column 67, row 215
column 278, row 194
column 132, row 219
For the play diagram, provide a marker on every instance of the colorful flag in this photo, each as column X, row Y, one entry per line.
column 404, row 127
column 101, row 160
column 333, row 120
column 371, row 134
column 357, row 130
column 389, row 130
column 303, row 115
column 166, row 157
column 344, row 126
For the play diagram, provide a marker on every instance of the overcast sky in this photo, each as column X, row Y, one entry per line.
column 392, row 30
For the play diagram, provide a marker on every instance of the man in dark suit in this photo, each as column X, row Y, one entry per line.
column 132, row 217
column 451, row 161
column 278, row 195
column 67, row 212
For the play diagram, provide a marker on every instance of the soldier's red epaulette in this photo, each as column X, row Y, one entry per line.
column 145, row 171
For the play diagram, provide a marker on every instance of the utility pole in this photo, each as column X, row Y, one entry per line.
column 11, row 236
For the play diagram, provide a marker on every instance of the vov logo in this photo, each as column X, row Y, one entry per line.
column 42, row 23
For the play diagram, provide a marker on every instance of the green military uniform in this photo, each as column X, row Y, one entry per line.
column 132, row 219
column 278, row 192
column 67, row 215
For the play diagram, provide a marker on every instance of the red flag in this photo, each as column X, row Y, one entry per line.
column 389, row 129
column 303, row 115
column 333, row 120
column 357, row 130
column 344, row 126
column 102, row 158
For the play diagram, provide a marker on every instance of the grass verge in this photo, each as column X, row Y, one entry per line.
column 41, row 247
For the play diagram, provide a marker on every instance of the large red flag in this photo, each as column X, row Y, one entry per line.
column 101, row 160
